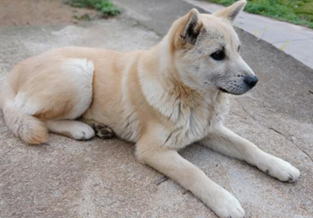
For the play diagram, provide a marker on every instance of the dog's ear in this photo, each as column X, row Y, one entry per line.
column 232, row 11
column 191, row 28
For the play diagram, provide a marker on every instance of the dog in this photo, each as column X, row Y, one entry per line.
column 162, row 99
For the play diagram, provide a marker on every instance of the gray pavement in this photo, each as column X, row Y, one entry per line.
column 101, row 178
column 295, row 40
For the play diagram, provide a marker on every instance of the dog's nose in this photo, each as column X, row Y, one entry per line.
column 251, row 81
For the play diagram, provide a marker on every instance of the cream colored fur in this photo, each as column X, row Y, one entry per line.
column 162, row 99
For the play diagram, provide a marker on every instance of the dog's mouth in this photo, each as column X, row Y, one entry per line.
column 224, row 90
column 233, row 92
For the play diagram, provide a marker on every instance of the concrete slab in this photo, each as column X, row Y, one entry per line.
column 288, row 37
column 101, row 178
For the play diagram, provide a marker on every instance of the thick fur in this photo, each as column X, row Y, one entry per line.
column 23, row 125
column 162, row 99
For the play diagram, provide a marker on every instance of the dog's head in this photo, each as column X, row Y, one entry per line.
column 206, row 52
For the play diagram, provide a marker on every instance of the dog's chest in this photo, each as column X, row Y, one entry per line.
column 189, row 115
column 192, row 124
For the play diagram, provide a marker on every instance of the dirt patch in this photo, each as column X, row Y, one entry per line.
column 39, row 12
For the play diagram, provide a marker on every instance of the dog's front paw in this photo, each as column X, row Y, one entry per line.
column 280, row 169
column 226, row 205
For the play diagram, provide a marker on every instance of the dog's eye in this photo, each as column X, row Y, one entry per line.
column 218, row 55
column 239, row 48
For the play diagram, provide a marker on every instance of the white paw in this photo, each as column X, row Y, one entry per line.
column 280, row 169
column 226, row 205
column 82, row 132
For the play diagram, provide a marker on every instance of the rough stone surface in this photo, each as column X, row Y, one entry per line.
column 101, row 178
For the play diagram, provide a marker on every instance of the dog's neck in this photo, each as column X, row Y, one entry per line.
column 163, row 88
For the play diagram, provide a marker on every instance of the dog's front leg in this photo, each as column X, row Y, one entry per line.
column 171, row 164
column 227, row 142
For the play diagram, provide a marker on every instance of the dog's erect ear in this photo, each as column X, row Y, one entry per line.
column 232, row 11
column 192, row 27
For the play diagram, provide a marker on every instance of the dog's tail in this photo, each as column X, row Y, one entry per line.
column 28, row 128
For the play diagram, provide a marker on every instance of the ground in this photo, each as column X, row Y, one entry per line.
column 101, row 178
column 39, row 12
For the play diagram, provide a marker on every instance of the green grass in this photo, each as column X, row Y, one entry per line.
column 294, row 11
column 106, row 8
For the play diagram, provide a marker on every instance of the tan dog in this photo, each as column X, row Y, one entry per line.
column 162, row 99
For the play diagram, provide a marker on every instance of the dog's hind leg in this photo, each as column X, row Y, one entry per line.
column 79, row 85
column 227, row 142
column 71, row 128
column 52, row 91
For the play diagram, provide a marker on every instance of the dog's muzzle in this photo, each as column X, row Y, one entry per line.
column 239, row 86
